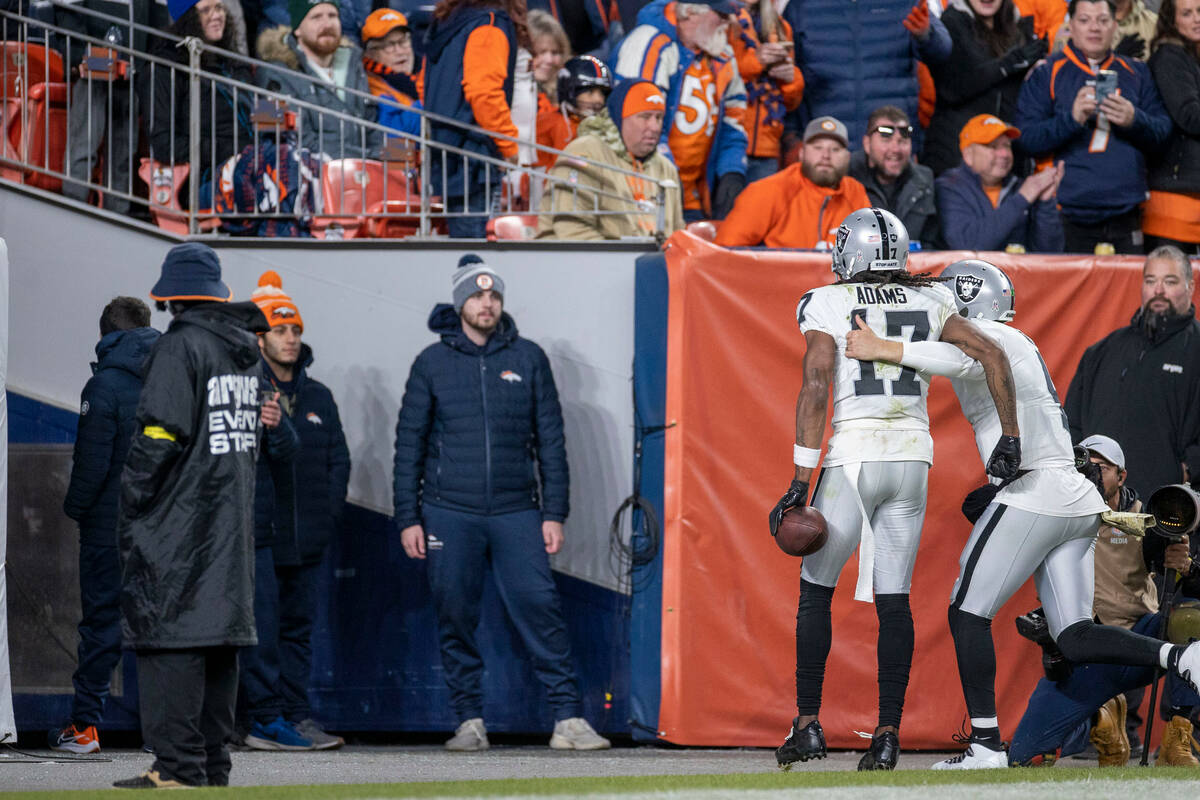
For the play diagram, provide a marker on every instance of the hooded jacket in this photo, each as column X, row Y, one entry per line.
column 578, row 186
column 472, row 84
column 474, row 422
column 294, row 77
column 186, row 523
column 308, row 491
column 106, row 423
column 1142, row 388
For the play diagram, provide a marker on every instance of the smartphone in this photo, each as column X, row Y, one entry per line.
column 1106, row 84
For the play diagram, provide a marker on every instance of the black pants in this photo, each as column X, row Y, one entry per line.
column 1123, row 232
column 187, row 699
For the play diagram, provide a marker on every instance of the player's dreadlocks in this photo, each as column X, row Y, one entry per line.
column 899, row 276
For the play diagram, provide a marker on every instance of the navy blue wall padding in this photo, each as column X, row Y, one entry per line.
column 651, row 296
column 32, row 422
column 376, row 663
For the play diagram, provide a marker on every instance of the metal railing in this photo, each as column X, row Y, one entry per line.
column 260, row 160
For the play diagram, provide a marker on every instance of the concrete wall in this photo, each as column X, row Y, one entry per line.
column 365, row 310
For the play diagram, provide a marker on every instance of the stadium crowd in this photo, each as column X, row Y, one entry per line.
column 1026, row 125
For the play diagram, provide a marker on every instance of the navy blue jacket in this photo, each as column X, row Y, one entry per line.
column 858, row 56
column 472, row 423
column 310, row 488
column 278, row 448
column 444, row 49
column 969, row 222
column 107, row 410
column 1109, row 182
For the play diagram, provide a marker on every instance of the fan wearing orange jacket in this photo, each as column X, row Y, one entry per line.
column 774, row 85
column 802, row 206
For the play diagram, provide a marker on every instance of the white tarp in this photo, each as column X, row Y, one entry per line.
column 8, row 725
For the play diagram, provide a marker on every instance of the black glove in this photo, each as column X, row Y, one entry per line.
column 729, row 186
column 796, row 497
column 1005, row 461
column 1022, row 57
column 1132, row 45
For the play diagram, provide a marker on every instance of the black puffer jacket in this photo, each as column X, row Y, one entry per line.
column 1176, row 168
column 187, row 493
column 279, row 446
column 472, row 423
column 106, row 423
column 309, row 489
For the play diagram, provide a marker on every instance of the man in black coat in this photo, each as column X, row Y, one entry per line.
column 302, row 498
column 186, row 524
column 1140, row 384
column 479, row 407
column 106, row 422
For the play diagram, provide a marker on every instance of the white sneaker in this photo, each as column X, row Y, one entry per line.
column 470, row 737
column 576, row 734
column 1188, row 665
column 976, row 756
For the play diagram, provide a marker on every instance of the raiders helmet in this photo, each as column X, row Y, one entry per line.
column 981, row 290
column 870, row 239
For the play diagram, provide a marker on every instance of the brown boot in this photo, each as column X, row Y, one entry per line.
column 1175, row 750
column 1108, row 734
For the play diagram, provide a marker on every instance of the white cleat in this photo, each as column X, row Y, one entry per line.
column 1188, row 665
column 976, row 756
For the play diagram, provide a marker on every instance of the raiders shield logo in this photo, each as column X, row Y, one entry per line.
column 966, row 287
column 843, row 233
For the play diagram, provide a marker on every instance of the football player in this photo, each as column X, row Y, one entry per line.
column 872, row 487
column 1041, row 522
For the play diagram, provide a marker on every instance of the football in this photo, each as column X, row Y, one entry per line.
column 801, row 532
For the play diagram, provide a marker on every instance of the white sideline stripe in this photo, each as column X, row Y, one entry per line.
column 1047, row 790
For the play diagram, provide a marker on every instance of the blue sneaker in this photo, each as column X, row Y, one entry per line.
column 278, row 734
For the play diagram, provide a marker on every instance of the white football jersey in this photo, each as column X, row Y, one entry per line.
column 878, row 408
column 1054, row 487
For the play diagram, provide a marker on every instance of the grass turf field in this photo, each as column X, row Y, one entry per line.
column 1060, row 783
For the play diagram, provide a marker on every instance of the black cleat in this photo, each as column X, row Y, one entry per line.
column 1033, row 626
column 801, row 744
column 883, row 753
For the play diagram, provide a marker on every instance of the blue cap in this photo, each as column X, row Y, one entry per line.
column 177, row 8
column 191, row 271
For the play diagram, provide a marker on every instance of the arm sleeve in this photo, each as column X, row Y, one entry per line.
column 563, row 217
column 1179, row 85
column 551, row 444
column 940, row 358
column 485, row 65
column 338, row 464
column 282, row 441
column 1151, row 126
column 166, row 413
column 937, row 46
column 95, row 440
column 1044, row 128
column 964, row 229
column 749, row 220
column 412, row 437
column 1046, row 231
column 793, row 90
column 731, row 136
column 649, row 54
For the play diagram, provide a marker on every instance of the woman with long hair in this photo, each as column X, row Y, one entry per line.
column 1172, row 214
column 224, row 110
column 471, row 54
column 993, row 49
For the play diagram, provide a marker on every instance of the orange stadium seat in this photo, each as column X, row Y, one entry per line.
column 512, row 227
column 34, row 113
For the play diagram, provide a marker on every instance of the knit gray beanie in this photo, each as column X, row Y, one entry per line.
column 473, row 276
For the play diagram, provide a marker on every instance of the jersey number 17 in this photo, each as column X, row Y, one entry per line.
column 907, row 384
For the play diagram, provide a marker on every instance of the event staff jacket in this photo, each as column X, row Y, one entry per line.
column 479, row 426
column 1176, row 168
column 1105, row 170
column 1143, row 390
column 186, row 526
column 309, row 490
column 106, row 424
